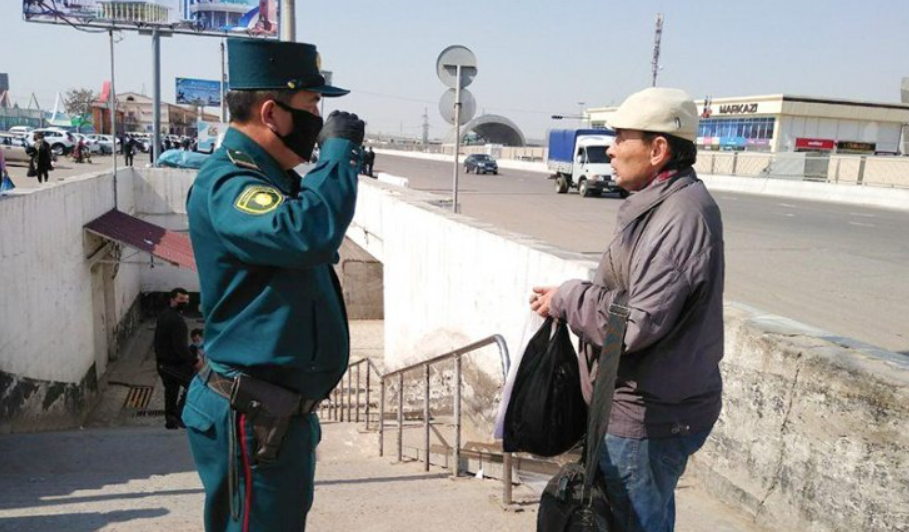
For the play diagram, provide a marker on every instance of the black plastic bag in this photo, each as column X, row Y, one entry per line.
column 547, row 414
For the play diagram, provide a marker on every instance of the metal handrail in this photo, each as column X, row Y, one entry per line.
column 457, row 354
column 336, row 406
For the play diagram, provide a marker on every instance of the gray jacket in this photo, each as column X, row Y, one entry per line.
column 672, row 258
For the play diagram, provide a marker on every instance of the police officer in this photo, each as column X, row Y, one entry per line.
column 276, row 332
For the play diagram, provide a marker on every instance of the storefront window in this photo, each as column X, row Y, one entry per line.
column 736, row 133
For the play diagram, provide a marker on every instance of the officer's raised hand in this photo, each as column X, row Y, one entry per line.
column 343, row 125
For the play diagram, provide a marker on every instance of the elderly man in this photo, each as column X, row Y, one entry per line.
column 667, row 254
column 265, row 239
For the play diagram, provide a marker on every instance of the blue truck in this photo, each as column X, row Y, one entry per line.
column 577, row 159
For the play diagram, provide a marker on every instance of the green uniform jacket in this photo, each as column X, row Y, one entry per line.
column 265, row 242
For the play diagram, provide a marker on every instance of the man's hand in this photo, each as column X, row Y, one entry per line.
column 343, row 125
column 200, row 363
column 541, row 298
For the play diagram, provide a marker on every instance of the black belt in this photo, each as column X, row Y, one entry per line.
column 224, row 387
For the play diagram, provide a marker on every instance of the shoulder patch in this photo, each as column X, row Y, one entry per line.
column 259, row 199
column 242, row 160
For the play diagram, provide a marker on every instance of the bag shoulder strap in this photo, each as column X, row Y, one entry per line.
column 604, row 387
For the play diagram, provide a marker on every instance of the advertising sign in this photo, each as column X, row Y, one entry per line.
column 198, row 92
column 851, row 146
column 815, row 144
column 211, row 17
column 210, row 135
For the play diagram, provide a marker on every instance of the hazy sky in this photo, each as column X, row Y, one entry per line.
column 536, row 58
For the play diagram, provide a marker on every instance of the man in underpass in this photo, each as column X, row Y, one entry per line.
column 667, row 255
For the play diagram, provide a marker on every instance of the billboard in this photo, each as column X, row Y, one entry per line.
column 258, row 18
column 210, row 135
column 198, row 92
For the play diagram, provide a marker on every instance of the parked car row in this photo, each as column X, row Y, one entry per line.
column 62, row 141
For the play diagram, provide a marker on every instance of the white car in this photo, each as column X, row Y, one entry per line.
column 21, row 130
column 105, row 143
column 13, row 147
column 60, row 140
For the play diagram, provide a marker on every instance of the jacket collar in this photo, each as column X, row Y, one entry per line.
column 287, row 181
column 646, row 199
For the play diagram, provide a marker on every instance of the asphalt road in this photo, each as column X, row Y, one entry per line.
column 840, row 268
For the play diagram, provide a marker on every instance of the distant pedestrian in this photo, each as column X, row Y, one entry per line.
column 42, row 158
column 370, row 161
column 176, row 364
column 6, row 184
column 129, row 146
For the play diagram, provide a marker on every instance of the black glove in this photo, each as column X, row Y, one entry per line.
column 343, row 125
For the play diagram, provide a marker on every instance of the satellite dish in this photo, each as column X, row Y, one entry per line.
column 447, row 106
column 447, row 66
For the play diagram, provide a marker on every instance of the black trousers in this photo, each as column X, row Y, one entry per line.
column 129, row 159
column 176, row 379
column 42, row 176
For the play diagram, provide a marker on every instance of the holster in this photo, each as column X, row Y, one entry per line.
column 268, row 408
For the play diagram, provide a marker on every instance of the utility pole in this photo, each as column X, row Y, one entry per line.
column 223, row 85
column 657, row 37
column 581, row 114
column 425, row 126
column 288, row 21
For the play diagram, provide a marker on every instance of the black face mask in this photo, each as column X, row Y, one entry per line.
column 307, row 126
column 181, row 307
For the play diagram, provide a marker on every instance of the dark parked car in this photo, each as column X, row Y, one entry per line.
column 480, row 163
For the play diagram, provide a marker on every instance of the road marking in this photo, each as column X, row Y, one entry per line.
column 860, row 224
column 786, row 214
column 863, row 214
column 787, row 205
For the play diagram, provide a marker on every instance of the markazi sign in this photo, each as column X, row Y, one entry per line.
column 738, row 109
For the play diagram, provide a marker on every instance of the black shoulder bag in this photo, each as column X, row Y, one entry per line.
column 575, row 499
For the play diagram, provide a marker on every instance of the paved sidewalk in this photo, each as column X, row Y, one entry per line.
column 140, row 479
column 126, row 473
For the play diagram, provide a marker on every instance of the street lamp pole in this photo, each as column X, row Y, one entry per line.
column 580, row 114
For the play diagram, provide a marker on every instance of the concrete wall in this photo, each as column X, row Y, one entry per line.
column 61, row 317
column 813, row 434
column 64, row 315
column 161, row 200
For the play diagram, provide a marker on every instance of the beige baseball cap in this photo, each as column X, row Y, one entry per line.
column 658, row 110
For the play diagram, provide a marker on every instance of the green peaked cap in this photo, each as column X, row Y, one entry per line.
column 259, row 64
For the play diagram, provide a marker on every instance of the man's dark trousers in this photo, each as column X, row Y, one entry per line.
column 176, row 379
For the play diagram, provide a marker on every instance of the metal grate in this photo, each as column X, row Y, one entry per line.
column 138, row 397
column 150, row 413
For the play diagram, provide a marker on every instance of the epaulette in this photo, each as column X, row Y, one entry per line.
column 242, row 160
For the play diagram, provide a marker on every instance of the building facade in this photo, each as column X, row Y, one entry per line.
column 788, row 123
column 143, row 11
column 138, row 115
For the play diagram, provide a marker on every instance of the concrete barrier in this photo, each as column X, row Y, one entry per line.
column 394, row 180
column 844, row 192
column 813, row 433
